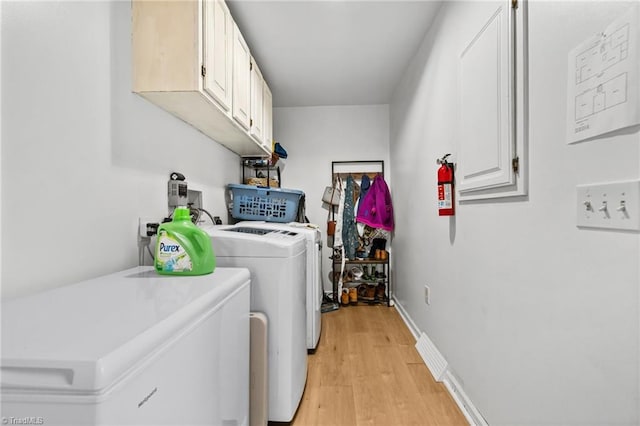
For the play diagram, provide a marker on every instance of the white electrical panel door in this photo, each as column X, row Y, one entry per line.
column 491, row 115
column 485, row 149
column 218, row 45
column 241, row 79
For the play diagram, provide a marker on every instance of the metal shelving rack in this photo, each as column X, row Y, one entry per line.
column 385, row 279
column 260, row 163
column 357, row 169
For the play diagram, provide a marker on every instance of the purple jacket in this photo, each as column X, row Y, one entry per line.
column 376, row 209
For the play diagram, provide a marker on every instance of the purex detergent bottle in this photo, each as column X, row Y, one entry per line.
column 182, row 248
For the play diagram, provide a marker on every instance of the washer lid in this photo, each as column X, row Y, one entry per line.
column 85, row 336
column 309, row 230
column 237, row 241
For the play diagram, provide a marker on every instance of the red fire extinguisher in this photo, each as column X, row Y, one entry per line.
column 446, row 203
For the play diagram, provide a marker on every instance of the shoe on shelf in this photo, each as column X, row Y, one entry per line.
column 353, row 296
column 362, row 291
column 344, row 297
column 352, row 275
column 381, row 291
column 370, row 293
column 361, row 255
column 370, row 274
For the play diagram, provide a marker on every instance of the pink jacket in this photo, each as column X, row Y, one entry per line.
column 376, row 209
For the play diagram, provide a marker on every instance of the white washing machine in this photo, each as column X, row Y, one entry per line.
column 314, row 272
column 277, row 262
column 132, row 347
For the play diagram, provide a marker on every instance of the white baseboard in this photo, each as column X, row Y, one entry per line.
column 452, row 385
column 463, row 401
column 413, row 328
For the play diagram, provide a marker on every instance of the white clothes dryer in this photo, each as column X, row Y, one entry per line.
column 313, row 285
column 276, row 261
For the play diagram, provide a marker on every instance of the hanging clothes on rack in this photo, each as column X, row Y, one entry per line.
column 337, row 237
column 365, row 184
column 376, row 209
column 349, row 231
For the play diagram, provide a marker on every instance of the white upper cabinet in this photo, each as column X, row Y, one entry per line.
column 257, row 103
column 190, row 60
column 268, row 117
column 218, row 49
column 241, row 79
column 492, row 96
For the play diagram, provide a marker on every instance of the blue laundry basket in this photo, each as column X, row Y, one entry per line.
column 261, row 203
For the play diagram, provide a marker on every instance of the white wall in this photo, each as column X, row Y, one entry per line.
column 316, row 136
column 538, row 319
column 83, row 157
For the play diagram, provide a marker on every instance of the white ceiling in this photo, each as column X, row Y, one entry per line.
column 332, row 52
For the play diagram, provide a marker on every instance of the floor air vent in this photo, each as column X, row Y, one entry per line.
column 432, row 357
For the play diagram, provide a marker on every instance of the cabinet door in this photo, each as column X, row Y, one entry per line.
column 268, row 118
column 490, row 116
column 241, row 79
column 218, row 39
column 257, row 106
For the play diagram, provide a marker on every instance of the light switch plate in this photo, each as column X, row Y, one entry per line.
column 614, row 205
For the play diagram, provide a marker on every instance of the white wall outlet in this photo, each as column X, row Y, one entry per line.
column 142, row 226
column 614, row 205
column 427, row 295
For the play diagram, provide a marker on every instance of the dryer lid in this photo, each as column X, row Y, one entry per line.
column 86, row 336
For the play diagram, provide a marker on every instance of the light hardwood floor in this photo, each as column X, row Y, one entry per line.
column 366, row 371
